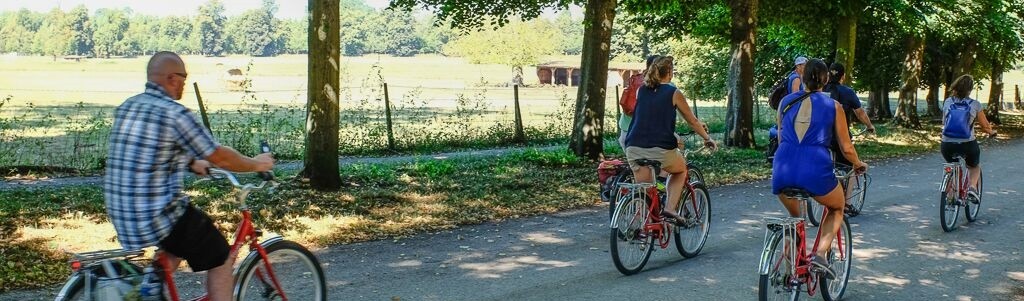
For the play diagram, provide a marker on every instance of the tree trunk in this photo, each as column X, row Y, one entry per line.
column 886, row 105
column 739, row 119
column 846, row 37
column 965, row 61
column 906, row 115
column 933, row 101
column 588, row 123
column 321, row 161
column 995, row 94
column 878, row 99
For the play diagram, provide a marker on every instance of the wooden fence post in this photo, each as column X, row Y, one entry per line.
column 1016, row 97
column 618, row 109
column 520, row 136
column 387, row 118
column 202, row 107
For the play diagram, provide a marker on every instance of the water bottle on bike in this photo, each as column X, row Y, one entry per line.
column 151, row 288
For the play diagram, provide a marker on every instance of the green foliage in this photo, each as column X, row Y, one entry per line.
column 54, row 37
column 18, row 29
column 473, row 15
column 633, row 42
column 572, row 33
column 259, row 33
column 109, row 35
column 77, row 21
column 354, row 14
column 699, row 67
column 393, row 33
column 296, row 36
column 518, row 43
column 209, row 26
column 433, row 35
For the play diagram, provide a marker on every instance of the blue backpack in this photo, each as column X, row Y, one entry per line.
column 959, row 121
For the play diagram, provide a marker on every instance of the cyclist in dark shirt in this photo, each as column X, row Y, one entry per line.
column 850, row 102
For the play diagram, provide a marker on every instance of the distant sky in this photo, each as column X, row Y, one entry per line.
column 287, row 9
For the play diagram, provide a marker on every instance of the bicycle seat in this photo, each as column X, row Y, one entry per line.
column 796, row 193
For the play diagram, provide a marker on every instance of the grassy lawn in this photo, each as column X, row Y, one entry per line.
column 378, row 201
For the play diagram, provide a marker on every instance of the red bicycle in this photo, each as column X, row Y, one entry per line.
column 275, row 269
column 636, row 221
column 784, row 268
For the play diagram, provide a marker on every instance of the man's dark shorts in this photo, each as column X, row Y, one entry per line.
column 969, row 150
column 195, row 239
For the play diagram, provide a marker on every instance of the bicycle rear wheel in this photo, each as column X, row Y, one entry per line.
column 696, row 209
column 814, row 212
column 840, row 259
column 631, row 245
column 971, row 209
column 775, row 284
column 948, row 207
column 295, row 268
column 74, row 288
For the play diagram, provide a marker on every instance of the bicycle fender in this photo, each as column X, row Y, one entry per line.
column 945, row 182
column 765, row 261
column 65, row 290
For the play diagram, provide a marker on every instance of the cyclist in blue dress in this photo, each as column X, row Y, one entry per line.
column 808, row 122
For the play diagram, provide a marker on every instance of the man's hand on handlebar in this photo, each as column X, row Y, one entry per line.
column 266, row 161
column 200, row 167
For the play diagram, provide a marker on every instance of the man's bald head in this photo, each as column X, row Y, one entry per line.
column 167, row 69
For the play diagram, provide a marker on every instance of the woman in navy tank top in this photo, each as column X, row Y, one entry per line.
column 807, row 126
column 652, row 132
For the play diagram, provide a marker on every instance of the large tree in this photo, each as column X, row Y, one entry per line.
column 321, row 158
column 111, row 25
column 209, row 27
column 260, row 33
column 588, row 124
column 78, row 23
column 54, row 37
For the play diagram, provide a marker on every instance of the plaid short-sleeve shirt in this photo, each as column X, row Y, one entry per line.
column 151, row 143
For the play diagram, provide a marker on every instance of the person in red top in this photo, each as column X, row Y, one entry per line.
column 628, row 101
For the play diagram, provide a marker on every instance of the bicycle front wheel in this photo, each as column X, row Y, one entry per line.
column 858, row 193
column 696, row 176
column 971, row 209
column 695, row 207
column 948, row 207
column 295, row 270
column 776, row 285
column 631, row 245
column 840, row 260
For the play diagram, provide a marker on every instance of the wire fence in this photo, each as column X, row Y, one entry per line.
column 420, row 119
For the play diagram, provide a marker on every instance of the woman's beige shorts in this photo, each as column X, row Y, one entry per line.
column 670, row 158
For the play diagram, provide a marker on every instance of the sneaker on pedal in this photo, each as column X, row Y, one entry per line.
column 820, row 264
column 972, row 195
